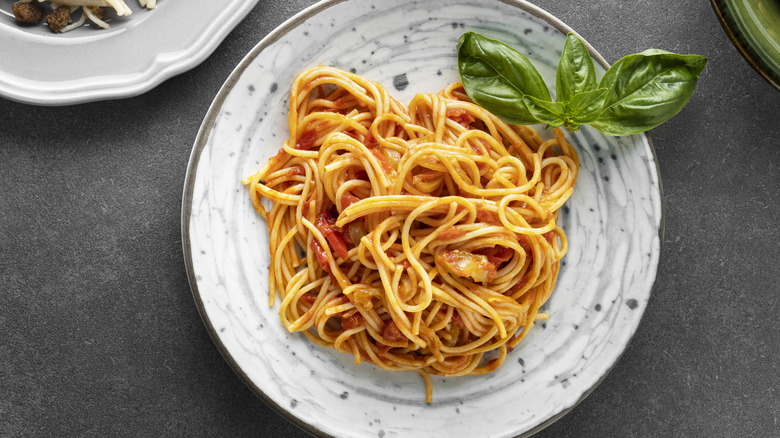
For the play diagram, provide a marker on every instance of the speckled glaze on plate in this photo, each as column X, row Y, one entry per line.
column 137, row 53
column 613, row 222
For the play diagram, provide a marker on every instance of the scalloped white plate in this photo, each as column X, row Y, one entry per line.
column 613, row 222
column 135, row 54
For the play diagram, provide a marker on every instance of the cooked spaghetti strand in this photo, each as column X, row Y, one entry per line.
column 416, row 238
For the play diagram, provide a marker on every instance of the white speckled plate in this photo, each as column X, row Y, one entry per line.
column 137, row 53
column 613, row 221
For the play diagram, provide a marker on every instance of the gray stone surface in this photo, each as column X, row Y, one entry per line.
column 99, row 335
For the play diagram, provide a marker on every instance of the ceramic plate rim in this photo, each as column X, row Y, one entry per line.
column 742, row 47
column 201, row 141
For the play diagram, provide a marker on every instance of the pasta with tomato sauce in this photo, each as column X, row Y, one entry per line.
column 419, row 237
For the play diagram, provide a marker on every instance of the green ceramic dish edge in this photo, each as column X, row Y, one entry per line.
column 754, row 28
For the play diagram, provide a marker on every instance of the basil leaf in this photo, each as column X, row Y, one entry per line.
column 586, row 106
column 646, row 89
column 575, row 72
column 497, row 77
column 582, row 108
column 552, row 113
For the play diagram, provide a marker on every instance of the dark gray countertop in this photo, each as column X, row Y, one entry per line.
column 99, row 335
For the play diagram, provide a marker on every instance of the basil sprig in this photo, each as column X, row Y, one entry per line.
column 499, row 77
column 638, row 93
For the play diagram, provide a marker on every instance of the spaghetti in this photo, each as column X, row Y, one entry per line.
column 419, row 237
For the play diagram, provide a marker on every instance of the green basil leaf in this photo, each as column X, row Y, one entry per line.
column 586, row 106
column 575, row 72
column 552, row 113
column 646, row 89
column 497, row 77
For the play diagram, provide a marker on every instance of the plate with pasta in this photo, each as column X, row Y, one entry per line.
column 131, row 36
column 376, row 255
